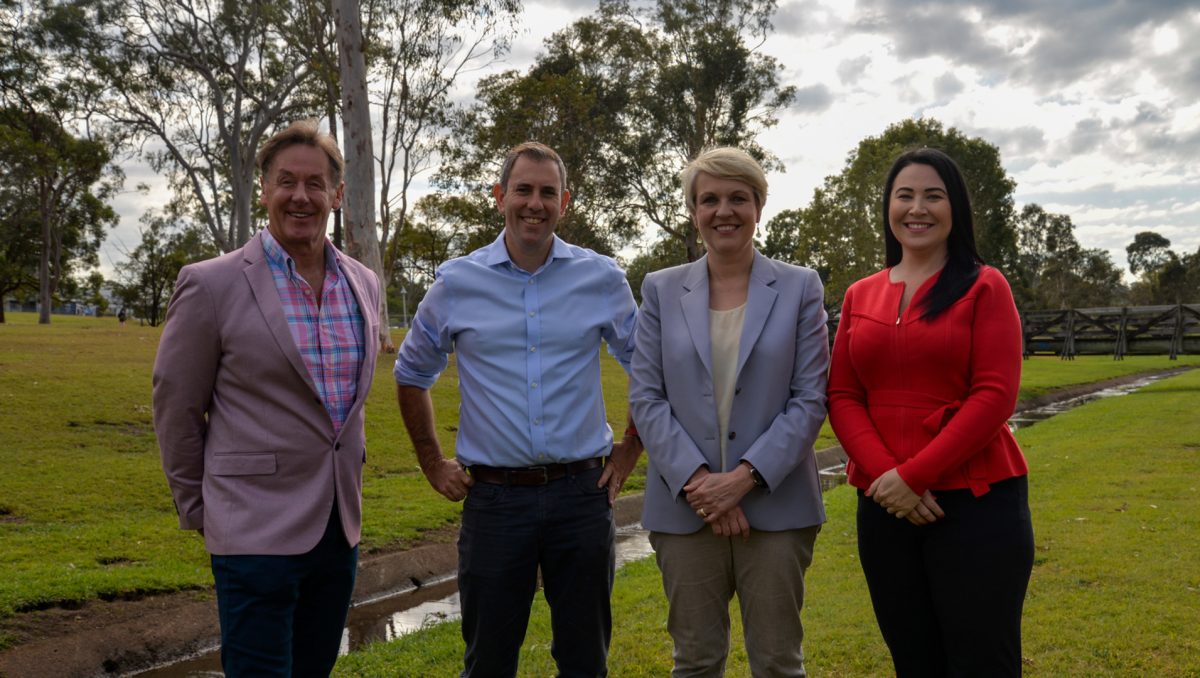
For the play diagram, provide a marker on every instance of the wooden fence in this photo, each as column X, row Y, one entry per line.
column 1116, row 331
column 1119, row 331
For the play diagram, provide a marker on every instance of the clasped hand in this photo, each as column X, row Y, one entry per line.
column 892, row 493
column 716, row 497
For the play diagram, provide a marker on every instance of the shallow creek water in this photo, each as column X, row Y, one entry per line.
column 393, row 615
column 390, row 616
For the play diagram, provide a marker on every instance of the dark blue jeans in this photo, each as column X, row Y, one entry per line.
column 284, row 615
column 508, row 532
column 948, row 596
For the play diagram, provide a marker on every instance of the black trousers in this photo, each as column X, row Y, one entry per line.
column 564, row 529
column 948, row 596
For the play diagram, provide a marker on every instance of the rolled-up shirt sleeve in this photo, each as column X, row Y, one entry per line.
column 425, row 352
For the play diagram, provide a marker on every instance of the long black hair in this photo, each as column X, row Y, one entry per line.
column 962, row 261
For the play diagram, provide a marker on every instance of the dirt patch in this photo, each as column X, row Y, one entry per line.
column 108, row 638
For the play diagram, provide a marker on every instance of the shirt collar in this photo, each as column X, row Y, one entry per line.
column 279, row 257
column 497, row 252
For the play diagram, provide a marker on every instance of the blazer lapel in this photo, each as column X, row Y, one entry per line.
column 695, row 310
column 262, row 285
column 760, row 298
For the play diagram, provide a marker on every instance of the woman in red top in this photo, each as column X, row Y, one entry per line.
column 924, row 375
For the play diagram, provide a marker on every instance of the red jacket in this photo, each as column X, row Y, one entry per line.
column 930, row 399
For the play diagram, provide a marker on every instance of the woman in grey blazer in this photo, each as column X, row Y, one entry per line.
column 728, row 394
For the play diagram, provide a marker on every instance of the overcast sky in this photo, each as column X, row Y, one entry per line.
column 1095, row 106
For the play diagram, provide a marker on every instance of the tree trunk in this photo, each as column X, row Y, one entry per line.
column 44, row 296
column 331, row 114
column 362, row 240
column 692, row 244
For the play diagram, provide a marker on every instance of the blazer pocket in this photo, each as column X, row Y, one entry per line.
column 242, row 464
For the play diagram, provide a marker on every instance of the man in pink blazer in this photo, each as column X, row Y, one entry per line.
column 260, row 381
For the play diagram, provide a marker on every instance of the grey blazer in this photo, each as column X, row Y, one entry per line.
column 779, row 398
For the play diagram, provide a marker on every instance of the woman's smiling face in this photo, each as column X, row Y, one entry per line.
column 919, row 211
column 726, row 214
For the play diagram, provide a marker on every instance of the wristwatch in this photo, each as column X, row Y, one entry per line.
column 755, row 475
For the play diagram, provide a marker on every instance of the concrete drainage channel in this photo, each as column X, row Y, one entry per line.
column 395, row 594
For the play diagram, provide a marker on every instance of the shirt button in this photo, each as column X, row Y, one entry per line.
column 533, row 349
column 537, row 421
column 531, row 281
column 531, row 314
column 533, row 385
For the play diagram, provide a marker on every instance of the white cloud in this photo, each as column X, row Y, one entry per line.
column 1092, row 104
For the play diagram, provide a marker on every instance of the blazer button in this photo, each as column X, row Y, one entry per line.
column 337, row 446
column 737, row 390
column 732, row 435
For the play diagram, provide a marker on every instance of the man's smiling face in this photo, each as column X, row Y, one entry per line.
column 299, row 195
column 531, row 203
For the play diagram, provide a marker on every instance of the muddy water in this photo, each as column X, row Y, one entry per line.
column 388, row 617
column 396, row 614
column 1030, row 417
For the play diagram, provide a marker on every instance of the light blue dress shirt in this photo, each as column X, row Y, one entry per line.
column 527, row 348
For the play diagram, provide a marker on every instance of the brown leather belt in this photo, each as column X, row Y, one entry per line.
column 532, row 475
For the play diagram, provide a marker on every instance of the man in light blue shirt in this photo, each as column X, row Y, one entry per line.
column 535, row 457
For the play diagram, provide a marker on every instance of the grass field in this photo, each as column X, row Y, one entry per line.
column 85, row 512
column 1115, row 496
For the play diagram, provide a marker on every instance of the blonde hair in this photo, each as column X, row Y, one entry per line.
column 724, row 162
column 307, row 133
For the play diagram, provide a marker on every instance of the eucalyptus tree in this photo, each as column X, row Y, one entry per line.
column 201, row 82
column 709, row 86
column 1148, row 251
column 628, row 95
column 420, row 50
column 1055, row 270
column 146, row 278
column 56, row 165
column 1164, row 275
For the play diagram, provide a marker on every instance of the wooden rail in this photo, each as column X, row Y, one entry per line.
column 1147, row 330
column 1118, row 330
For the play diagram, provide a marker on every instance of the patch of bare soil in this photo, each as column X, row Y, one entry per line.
column 109, row 638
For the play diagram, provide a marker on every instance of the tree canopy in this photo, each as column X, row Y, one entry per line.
column 627, row 95
column 839, row 232
column 1166, row 276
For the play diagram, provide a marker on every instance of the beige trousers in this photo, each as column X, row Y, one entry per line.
column 702, row 572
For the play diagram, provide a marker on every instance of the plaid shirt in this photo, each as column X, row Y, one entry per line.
column 330, row 338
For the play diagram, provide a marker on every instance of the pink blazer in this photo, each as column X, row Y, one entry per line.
column 247, row 447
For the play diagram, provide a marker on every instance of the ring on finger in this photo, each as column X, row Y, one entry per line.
column 703, row 513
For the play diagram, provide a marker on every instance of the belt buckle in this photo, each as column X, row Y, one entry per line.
column 544, row 470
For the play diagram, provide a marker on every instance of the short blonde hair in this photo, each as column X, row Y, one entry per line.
column 724, row 162
column 306, row 133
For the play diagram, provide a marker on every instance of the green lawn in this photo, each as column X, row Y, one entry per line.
column 85, row 512
column 1115, row 494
